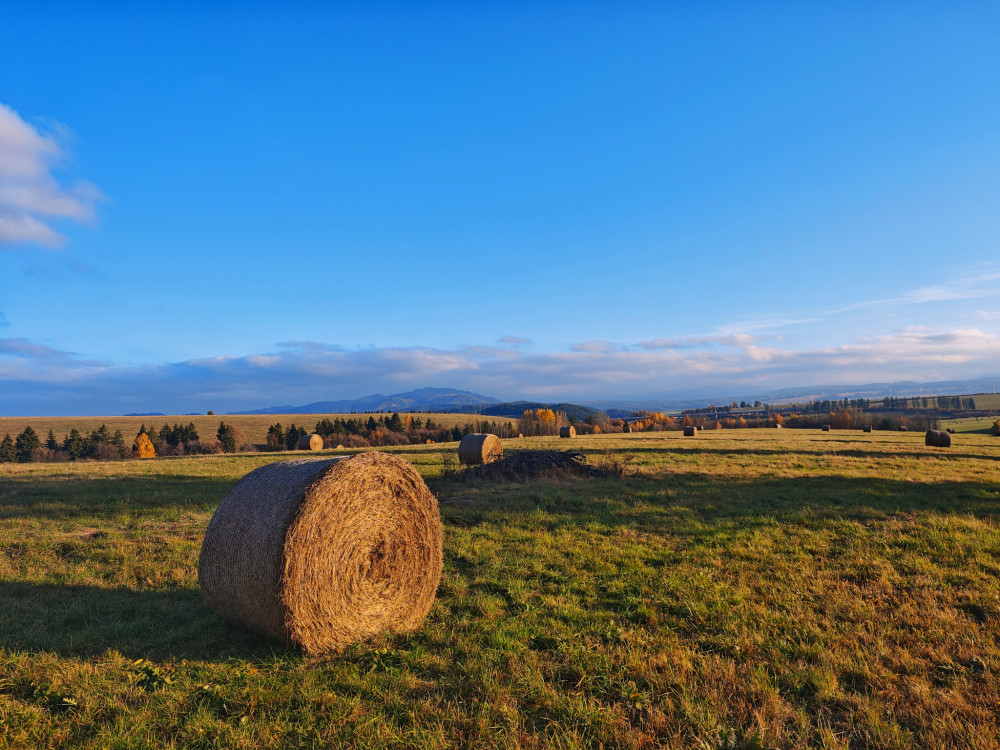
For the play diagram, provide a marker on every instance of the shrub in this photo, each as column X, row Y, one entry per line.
column 7, row 452
column 356, row 441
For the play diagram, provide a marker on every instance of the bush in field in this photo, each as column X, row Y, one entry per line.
column 356, row 441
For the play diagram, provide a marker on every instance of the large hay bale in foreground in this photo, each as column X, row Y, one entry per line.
column 311, row 442
column 937, row 439
column 567, row 432
column 321, row 553
column 690, row 431
column 479, row 448
column 825, row 428
column 866, row 428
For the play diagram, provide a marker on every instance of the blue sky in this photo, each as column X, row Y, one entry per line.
column 226, row 206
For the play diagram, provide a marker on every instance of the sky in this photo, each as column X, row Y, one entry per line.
column 232, row 205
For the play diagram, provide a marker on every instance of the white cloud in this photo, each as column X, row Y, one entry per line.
column 987, row 314
column 30, row 195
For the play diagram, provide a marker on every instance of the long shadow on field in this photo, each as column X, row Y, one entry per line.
column 702, row 504
column 74, row 497
column 87, row 621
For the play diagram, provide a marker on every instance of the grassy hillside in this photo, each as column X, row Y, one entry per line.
column 254, row 426
column 746, row 588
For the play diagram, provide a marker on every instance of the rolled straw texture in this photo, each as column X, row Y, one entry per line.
column 311, row 442
column 937, row 439
column 479, row 448
column 321, row 553
column 567, row 432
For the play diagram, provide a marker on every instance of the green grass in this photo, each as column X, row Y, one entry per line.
column 746, row 588
column 974, row 425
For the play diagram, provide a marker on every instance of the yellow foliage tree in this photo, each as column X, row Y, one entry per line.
column 143, row 446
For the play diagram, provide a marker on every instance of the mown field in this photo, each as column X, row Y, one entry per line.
column 745, row 588
column 253, row 426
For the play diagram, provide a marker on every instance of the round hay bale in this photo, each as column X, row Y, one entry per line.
column 626, row 428
column 311, row 442
column 825, row 428
column 950, row 430
column 321, row 553
column 567, row 432
column 866, row 428
column 779, row 426
column 690, row 431
column 340, row 446
column 479, row 448
column 937, row 439
column 521, row 435
column 904, row 428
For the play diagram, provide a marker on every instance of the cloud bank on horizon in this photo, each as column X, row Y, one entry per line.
column 39, row 380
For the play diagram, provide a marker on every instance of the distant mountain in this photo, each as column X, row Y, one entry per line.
column 985, row 384
column 422, row 399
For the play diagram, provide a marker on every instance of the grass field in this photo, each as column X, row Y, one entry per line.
column 977, row 425
column 254, row 426
column 745, row 588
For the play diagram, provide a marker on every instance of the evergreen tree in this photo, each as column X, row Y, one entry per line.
column 395, row 423
column 372, row 424
column 7, row 452
column 25, row 443
column 50, row 442
column 118, row 440
column 227, row 437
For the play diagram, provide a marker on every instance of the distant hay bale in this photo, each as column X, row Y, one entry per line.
column 690, row 431
column 521, row 435
column 825, row 428
column 321, row 553
column 311, row 442
column 937, row 439
column 567, row 432
column 340, row 446
column 779, row 426
column 626, row 428
column 950, row 430
column 479, row 448
column 866, row 428
column 904, row 428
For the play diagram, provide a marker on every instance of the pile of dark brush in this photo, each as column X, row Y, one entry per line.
column 522, row 466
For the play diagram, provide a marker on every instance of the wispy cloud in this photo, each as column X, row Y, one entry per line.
column 514, row 340
column 987, row 314
column 37, row 378
column 30, row 195
column 986, row 284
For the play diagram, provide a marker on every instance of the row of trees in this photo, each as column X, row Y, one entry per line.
column 381, row 431
column 99, row 444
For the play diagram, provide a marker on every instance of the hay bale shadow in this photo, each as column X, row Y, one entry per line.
column 528, row 465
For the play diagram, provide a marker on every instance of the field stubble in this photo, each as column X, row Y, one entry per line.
column 746, row 588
